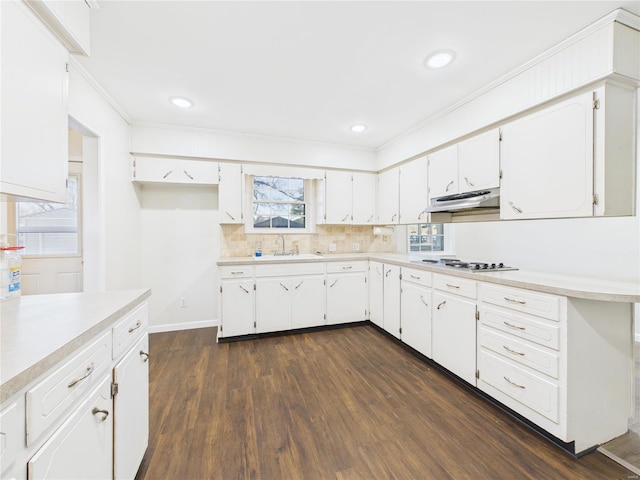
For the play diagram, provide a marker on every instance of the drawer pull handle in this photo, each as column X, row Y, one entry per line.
column 298, row 285
column 334, row 282
column 449, row 185
column 388, row 272
column 187, row 174
column 415, row 276
column 515, row 209
column 345, row 217
column 452, row 286
column 138, row 325
column 370, row 218
column 347, row 267
column 243, row 289
column 167, row 174
column 510, row 325
column 513, row 383
column 144, row 355
column 230, row 216
column 440, row 305
column 89, row 371
column 237, row 273
column 283, row 286
column 513, row 300
column 510, row 350
column 422, row 300
column 105, row 413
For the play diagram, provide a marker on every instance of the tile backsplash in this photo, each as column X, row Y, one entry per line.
column 236, row 243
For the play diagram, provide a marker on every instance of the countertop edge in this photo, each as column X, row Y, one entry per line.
column 605, row 295
column 22, row 379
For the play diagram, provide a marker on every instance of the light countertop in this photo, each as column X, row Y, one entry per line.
column 38, row 331
column 558, row 284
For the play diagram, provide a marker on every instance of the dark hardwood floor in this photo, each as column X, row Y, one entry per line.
column 336, row 404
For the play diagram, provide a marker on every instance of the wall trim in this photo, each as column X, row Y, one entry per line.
column 173, row 327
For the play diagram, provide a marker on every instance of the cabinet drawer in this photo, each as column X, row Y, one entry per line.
column 344, row 267
column 239, row 271
column 11, row 434
column 459, row 286
column 280, row 270
column 540, row 304
column 519, row 351
column 51, row 398
column 519, row 383
column 416, row 276
column 524, row 326
column 128, row 330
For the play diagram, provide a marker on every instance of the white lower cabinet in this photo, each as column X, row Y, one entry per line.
column 237, row 302
column 346, row 292
column 454, row 325
column 391, row 299
column 415, row 310
column 82, row 448
column 308, row 301
column 562, row 363
column 376, row 293
column 131, row 410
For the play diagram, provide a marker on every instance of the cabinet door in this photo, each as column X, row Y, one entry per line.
column 346, row 297
column 479, row 162
column 338, row 201
column 415, row 309
column 156, row 170
column 376, row 293
column 443, row 172
column 82, row 447
column 230, row 193
column 364, row 198
column 237, row 307
column 547, row 162
column 413, row 191
column 308, row 301
column 273, row 304
column 131, row 410
column 34, row 118
column 391, row 306
column 388, row 196
column 198, row 172
column 454, row 335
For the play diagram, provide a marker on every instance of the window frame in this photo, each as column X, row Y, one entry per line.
column 447, row 240
column 309, row 208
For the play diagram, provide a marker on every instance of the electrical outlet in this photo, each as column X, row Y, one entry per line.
column 332, row 247
column 183, row 302
column 355, row 247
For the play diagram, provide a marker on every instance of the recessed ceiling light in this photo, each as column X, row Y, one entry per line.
column 358, row 128
column 440, row 58
column 181, row 102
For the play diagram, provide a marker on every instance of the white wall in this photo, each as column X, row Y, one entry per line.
column 178, row 250
column 118, row 210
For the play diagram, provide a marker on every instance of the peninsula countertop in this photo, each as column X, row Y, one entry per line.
column 38, row 331
column 606, row 290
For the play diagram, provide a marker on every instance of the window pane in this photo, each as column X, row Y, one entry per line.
column 426, row 237
column 297, row 222
column 49, row 228
column 278, row 203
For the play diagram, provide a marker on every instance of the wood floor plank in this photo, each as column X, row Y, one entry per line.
column 338, row 404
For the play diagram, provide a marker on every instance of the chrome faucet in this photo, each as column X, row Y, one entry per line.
column 283, row 251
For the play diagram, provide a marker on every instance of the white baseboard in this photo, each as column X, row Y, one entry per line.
column 173, row 327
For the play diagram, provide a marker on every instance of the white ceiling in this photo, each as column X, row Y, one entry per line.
column 309, row 70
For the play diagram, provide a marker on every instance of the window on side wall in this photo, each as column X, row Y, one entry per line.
column 280, row 204
column 427, row 237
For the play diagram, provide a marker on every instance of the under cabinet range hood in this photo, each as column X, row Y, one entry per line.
column 478, row 201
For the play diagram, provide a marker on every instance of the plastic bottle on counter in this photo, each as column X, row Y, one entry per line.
column 10, row 273
column 258, row 249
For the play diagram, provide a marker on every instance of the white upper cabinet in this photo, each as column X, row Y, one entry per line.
column 389, row 197
column 547, row 162
column 339, row 197
column 364, row 198
column 413, row 191
column 171, row 170
column 68, row 19
column 479, row 162
column 34, row 151
column 350, row 198
column 443, row 172
column 230, row 193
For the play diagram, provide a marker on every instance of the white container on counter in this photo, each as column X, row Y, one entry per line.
column 10, row 273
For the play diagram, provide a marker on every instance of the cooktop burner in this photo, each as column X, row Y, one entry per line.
column 469, row 266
